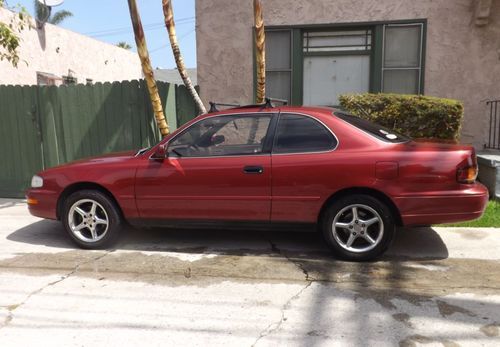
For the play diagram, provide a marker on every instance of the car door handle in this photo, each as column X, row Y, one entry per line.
column 253, row 169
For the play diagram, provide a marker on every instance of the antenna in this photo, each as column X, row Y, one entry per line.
column 47, row 5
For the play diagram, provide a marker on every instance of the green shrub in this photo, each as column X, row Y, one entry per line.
column 413, row 115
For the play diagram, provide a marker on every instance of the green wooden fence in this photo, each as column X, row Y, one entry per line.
column 44, row 126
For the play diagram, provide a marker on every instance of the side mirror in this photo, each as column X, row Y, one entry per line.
column 160, row 153
column 218, row 139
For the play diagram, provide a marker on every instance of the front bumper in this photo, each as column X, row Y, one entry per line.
column 443, row 207
column 42, row 203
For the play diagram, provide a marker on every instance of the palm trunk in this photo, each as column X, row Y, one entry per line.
column 142, row 50
column 260, row 52
column 170, row 24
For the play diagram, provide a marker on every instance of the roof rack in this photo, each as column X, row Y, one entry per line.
column 267, row 104
column 213, row 106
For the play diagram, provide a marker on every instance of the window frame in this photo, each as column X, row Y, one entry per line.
column 266, row 147
column 290, row 69
column 368, row 46
column 275, row 135
column 421, row 49
column 376, row 55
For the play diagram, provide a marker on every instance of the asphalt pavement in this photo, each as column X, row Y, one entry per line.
column 435, row 287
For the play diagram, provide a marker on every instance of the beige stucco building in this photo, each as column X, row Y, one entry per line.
column 53, row 55
column 318, row 49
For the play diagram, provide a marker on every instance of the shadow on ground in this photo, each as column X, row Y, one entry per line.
column 418, row 243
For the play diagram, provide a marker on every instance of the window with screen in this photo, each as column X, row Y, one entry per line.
column 402, row 58
column 278, row 64
column 300, row 134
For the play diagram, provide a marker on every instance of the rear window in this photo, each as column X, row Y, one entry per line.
column 301, row 134
column 374, row 129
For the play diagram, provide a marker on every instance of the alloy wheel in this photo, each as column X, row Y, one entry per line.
column 88, row 220
column 357, row 228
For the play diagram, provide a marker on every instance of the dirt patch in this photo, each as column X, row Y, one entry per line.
column 403, row 318
column 472, row 234
column 446, row 309
column 491, row 330
column 413, row 340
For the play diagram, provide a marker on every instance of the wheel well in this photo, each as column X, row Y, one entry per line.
column 80, row 186
column 367, row 191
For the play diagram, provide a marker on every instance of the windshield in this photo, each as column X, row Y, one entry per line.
column 374, row 129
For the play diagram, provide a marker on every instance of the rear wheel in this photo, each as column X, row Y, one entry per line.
column 358, row 227
column 91, row 219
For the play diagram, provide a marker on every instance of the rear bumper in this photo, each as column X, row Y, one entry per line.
column 443, row 207
column 42, row 203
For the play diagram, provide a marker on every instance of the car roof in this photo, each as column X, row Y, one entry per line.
column 262, row 109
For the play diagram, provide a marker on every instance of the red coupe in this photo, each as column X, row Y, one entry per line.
column 259, row 166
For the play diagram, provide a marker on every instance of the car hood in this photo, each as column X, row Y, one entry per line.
column 101, row 159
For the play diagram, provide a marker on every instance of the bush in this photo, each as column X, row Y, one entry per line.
column 413, row 115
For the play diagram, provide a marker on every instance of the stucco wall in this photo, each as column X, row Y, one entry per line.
column 462, row 60
column 55, row 50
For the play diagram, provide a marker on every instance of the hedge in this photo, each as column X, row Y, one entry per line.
column 414, row 115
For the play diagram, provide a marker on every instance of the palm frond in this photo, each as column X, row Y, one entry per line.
column 124, row 45
column 59, row 17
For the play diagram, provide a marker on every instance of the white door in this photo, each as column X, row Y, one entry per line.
column 326, row 77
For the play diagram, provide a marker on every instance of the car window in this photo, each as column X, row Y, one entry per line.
column 380, row 132
column 298, row 134
column 222, row 136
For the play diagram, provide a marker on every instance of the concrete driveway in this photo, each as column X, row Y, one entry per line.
column 436, row 287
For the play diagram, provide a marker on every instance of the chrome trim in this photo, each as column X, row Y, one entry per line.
column 223, row 156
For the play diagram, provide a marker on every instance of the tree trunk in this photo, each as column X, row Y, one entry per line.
column 142, row 50
column 170, row 24
column 260, row 52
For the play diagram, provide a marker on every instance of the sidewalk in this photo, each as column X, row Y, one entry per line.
column 194, row 287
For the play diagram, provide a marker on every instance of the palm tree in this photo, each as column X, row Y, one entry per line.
column 260, row 51
column 170, row 24
column 142, row 51
column 43, row 14
column 124, row 45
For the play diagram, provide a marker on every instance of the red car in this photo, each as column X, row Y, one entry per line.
column 268, row 166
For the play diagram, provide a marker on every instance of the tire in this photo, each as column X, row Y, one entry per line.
column 89, row 230
column 362, row 235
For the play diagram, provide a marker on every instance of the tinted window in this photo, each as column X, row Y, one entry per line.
column 297, row 134
column 374, row 129
column 221, row 136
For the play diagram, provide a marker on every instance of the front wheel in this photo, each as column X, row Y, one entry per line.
column 91, row 219
column 358, row 227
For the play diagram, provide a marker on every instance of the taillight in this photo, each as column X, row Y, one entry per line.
column 467, row 170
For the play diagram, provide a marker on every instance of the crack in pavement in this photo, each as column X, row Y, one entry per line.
column 298, row 264
column 275, row 326
column 12, row 308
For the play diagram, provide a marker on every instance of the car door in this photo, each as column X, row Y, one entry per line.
column 219, row 168
column 302, row 164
